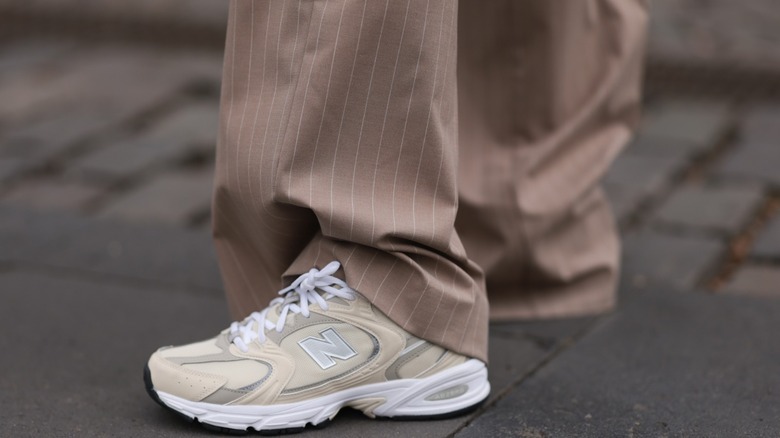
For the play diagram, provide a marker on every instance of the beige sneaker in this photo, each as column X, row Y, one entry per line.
column 319, row 347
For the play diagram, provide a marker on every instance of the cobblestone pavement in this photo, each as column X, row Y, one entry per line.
column 106, row 162
column 714, row 32
column 107, row 131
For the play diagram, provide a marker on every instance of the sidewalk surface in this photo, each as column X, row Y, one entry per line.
column 106, row 161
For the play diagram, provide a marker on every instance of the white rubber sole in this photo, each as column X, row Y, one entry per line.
column 448, row 392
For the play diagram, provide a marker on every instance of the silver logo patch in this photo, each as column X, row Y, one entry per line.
column 324, row 350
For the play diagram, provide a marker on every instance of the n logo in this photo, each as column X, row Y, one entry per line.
column 324, row 350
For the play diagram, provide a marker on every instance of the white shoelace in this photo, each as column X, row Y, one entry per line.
column 294, row 298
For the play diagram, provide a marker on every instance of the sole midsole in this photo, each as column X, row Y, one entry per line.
column 452, row 390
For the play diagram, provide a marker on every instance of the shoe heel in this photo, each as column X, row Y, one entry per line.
column 449, row 393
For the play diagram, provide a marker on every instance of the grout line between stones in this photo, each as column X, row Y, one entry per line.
column 739, row 246
column 542, row 342
column 693, row 169
column 552, row 355
column 54, row 165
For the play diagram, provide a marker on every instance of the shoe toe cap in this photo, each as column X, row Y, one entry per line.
column 174, row 379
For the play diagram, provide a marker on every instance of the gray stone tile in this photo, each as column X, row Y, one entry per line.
column 715, row 33
column 11, row 167
column 756, row 156
column 173, row 198
column 517, row 348
column 661, row 258
column 89, row 78
column 24, row 55
column 634, row 178
column 637, row 171
column 667, row 364
column 647, row 145
column 761, row 124
column 51, row 135
column 753, row 162
column 624, row 200
column 721, row 209
column 546, row 333
column 767, row 243
column 695, row 124
column 52, row 194
column 160, row 253
column 191, row 128
column 762, row 281
column 74, row 363
column 510, row 360
column 205, row 15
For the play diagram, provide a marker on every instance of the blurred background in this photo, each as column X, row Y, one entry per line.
column 109, row 109
column 108, row 121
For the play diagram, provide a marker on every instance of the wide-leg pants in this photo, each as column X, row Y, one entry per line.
column 442, row 151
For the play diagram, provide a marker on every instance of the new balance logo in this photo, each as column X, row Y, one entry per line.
column 324, row 350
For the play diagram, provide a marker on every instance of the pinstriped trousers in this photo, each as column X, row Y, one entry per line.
column 440, row 150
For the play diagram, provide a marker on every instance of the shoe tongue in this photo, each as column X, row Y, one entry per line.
column 294, row 298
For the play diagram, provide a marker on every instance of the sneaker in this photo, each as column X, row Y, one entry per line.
column 319, row 347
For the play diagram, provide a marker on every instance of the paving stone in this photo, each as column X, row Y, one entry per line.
column 756, row 156
column 512, row 358
column 52, row 194
column 763, row 281
column 152, row 253
column 73, row 366
column 641, row 172
column 546, row 333
column 751, row 164
column 192, row 128
column 624, row 200
column 694, row 124
column 767, row 243
column 666, row 364
column 10, row 167
column 715, row 33
column 761, row 124
column 679, row 261
column 202, row 13
column 647, row 145
column 25, row 54
column 89, row 79
column 49, row 136
column 172, row 198
column 517, row 348
column 633, row 178
column 722, row 209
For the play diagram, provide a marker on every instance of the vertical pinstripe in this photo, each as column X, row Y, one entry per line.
column 362, row 108
column 408, row 111
column 363, row 119
column 384, row 121
column 319, row 194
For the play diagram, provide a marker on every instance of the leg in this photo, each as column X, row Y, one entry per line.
column 549, row 94
column 339, row 142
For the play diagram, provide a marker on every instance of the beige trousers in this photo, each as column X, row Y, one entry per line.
column 442, row 151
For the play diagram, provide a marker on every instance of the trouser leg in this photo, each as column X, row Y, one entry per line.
column 339, row 142
column 549, row 94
